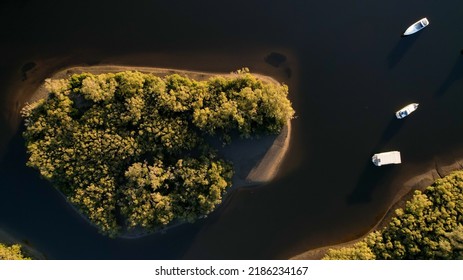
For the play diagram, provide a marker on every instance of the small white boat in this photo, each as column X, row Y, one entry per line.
column 407, row 110
column 417, row 26
column 392, row 157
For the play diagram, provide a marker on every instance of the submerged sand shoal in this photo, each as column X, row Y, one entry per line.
column 255, row 161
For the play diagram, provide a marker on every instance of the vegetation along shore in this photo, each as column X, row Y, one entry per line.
column 426, row 225
column 12, row 248
column 12, row 252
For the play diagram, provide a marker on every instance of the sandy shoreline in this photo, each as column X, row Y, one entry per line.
column 30, row 71
column 419, row 182
column 161, row 72
column 256, row 161
column 264, row 170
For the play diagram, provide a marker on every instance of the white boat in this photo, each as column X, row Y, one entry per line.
column 392, row 157
column 407, row 110
column 417, row 26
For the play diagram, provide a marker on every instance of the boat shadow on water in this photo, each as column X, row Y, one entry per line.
column 455, row 74
column 372, row 175
column 400, row 49
column 368, row 181
column 391, row 130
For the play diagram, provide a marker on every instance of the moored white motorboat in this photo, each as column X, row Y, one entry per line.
column 417, row 26
column 392, row 157
column 407, row 110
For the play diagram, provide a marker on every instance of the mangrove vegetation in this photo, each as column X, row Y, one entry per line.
column 130, row 150
column 430, row 226
column 12, row 252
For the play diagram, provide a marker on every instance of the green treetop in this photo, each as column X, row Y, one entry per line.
column 12, row 252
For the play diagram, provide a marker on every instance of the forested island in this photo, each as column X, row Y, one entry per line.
column 428, row 227
column 130, row 149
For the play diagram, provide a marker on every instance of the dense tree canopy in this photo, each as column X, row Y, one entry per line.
column 131, row 147
column 430, row 226
column 359, row 251
column 12, row 252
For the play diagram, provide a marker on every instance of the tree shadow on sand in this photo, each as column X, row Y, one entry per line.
column 455, row 74
column 372, row 174
column 245, row 154
column 401, row 48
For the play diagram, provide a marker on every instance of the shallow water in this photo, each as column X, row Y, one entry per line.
column 348, row 70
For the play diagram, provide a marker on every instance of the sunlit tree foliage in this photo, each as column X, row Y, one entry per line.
column 12, row 252
column 131, row 147
column 430, row 226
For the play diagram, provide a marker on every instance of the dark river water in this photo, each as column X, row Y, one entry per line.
column 348, row 71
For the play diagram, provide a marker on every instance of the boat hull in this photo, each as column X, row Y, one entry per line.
column 386, row 158
column 417, row 26
column 407, row 110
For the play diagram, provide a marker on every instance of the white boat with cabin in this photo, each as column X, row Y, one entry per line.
column 407, row 110
column 392, row 157
column 417, row 26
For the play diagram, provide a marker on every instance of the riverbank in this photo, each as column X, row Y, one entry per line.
column 419, row 182
column 256, row 161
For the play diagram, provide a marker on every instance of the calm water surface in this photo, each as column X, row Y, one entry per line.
column 349, row 72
